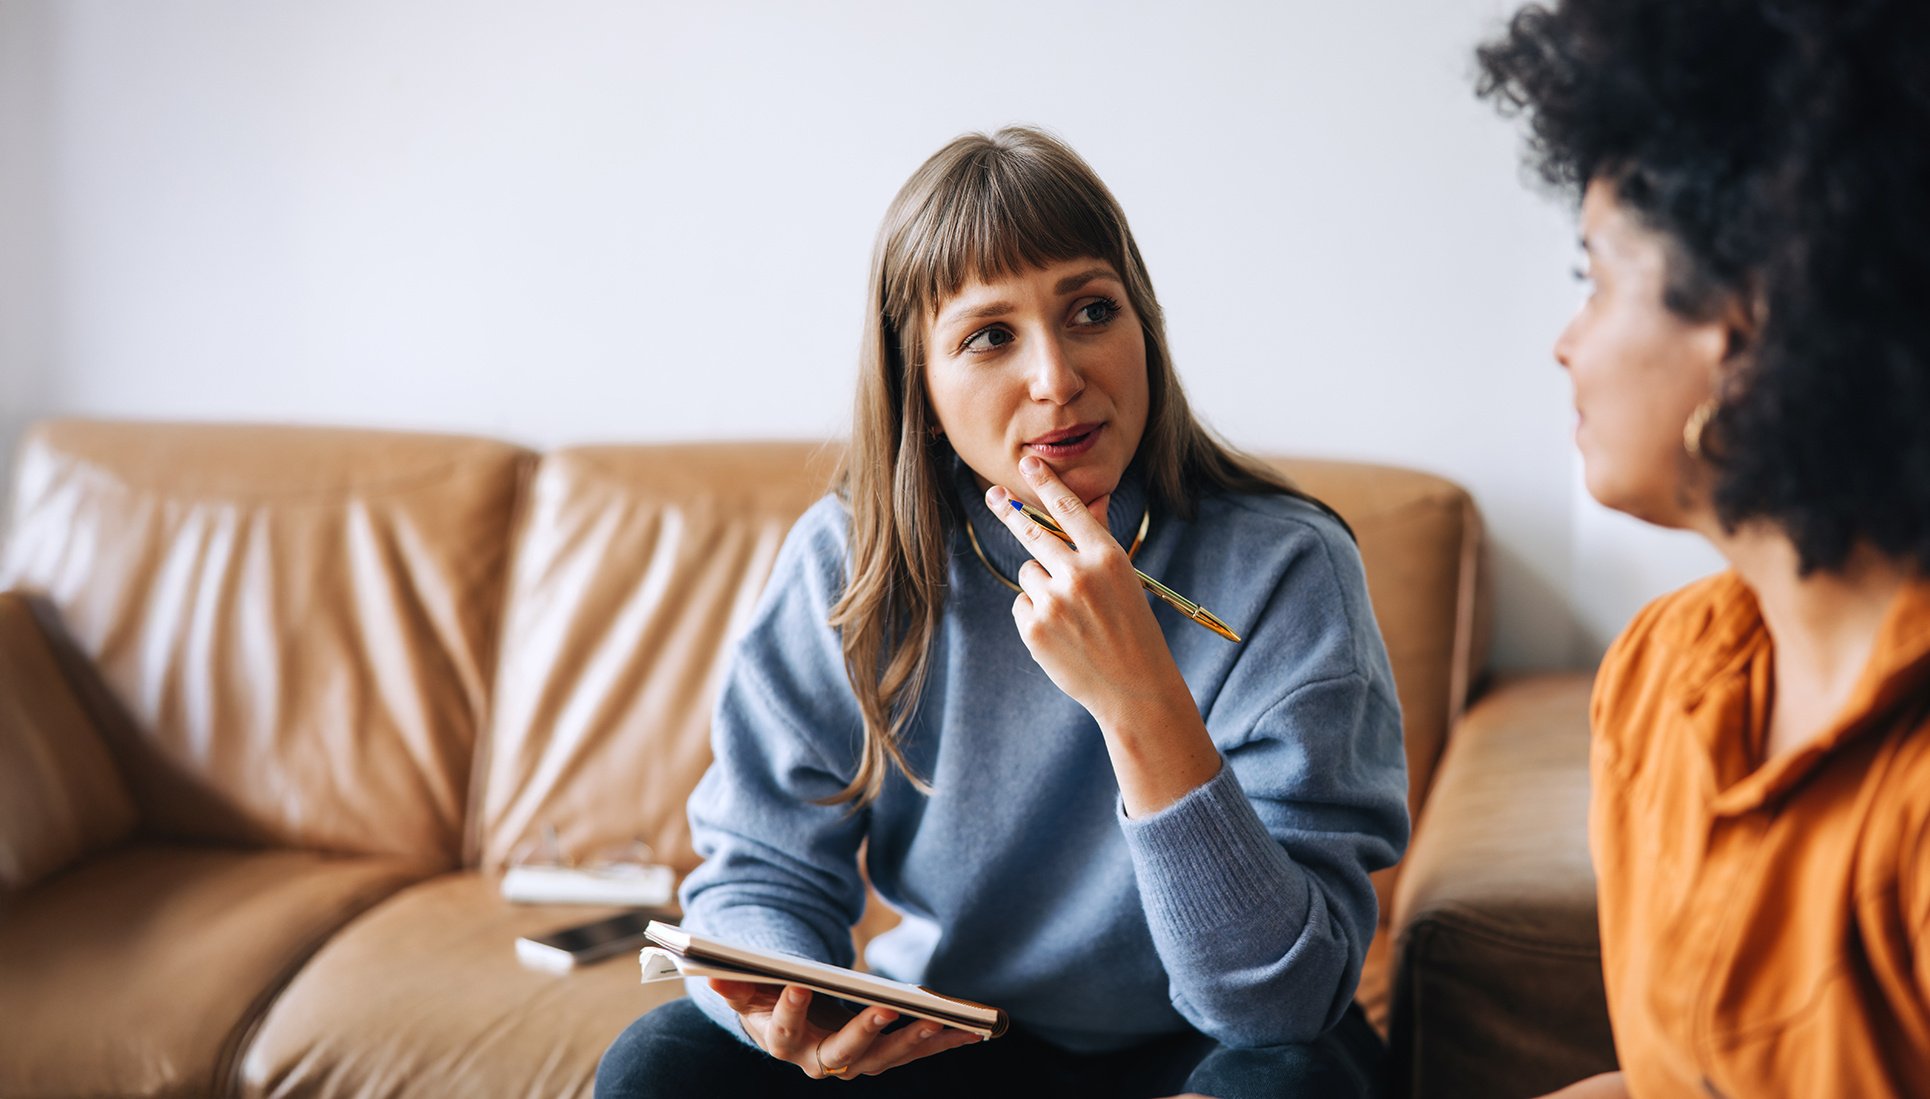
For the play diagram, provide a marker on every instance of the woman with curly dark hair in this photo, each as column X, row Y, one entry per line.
column 1752, row 363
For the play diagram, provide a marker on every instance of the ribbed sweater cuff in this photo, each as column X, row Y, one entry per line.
column 1206, row 861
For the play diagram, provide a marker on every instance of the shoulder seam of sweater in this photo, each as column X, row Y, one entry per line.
column 1247, row 735
column 1344, row 599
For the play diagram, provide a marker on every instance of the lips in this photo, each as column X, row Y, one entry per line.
column 1065, row 436
column 1068, row 443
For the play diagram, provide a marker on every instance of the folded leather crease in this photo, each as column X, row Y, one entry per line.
column 61, row 796
column 306, row 673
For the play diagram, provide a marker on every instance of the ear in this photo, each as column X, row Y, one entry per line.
column 1725, row 340
column 1741, row 316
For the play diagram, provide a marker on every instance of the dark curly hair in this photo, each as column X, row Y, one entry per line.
column 1782, row 150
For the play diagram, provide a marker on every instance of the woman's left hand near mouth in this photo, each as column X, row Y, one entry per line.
column 1086, row 620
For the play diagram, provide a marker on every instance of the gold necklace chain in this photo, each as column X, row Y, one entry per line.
column 971, row 532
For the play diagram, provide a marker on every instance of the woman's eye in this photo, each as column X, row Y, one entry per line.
column 1096, row 312
column 986, row 339
column 1585, row 280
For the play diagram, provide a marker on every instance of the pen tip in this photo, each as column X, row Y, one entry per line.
column 1213, row 622
column 1016, row 506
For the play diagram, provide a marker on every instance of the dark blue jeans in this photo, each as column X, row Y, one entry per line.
column 677, row 1051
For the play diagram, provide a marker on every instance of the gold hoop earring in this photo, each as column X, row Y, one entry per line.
column 1698, row 423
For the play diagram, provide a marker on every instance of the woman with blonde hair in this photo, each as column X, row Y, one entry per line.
column 1148, row 843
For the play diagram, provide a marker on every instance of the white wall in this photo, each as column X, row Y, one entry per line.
column 26, row 206
column 601, row 220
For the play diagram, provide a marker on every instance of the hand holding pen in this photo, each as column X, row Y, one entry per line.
column 1083, row 615
column 1165, row 594
column 1052, row 528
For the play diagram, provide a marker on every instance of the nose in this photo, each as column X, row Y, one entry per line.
column 1054, row 377
column 1565, row 346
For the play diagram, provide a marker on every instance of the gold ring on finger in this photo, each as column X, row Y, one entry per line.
column 817, row 1054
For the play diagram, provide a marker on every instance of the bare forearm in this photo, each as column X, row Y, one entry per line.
column 1160, row 753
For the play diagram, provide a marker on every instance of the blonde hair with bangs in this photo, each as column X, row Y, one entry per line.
column 982, row 208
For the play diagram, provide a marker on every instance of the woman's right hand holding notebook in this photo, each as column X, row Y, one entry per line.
column 825, row 1040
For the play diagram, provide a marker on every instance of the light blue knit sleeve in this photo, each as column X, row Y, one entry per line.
column 1255, row 884
column 780, row 870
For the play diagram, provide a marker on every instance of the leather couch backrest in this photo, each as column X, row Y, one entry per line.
column 300, row 634
column 635, row 566
column 634, row 569
column 292, row 628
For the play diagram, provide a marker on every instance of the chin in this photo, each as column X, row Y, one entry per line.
column 1605, row 490
column 1658, row 508
column 1090, row 484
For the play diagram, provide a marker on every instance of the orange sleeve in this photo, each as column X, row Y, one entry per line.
column 1913, row 889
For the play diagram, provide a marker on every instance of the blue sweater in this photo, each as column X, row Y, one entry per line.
column 1243, row 910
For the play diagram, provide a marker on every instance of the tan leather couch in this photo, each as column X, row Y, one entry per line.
column 277, row 704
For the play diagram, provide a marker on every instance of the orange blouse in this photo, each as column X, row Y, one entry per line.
column 1763, row 923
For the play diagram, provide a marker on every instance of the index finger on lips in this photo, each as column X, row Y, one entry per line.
column 1063, row 504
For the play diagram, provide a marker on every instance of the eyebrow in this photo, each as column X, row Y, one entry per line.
column 990, row 309
column 1064, row 286
column 1073, row 282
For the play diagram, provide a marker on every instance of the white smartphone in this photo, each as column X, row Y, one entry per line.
column 580, row 944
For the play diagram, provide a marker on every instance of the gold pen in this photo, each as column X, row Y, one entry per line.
column 1166, row 595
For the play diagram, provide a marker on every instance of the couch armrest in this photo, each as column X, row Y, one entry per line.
column 61, row 797
column 1497, row 978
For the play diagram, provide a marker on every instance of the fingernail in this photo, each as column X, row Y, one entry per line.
column 1030, row 465
column 926, row 1033
column 877, row 1022
column 796, row 995
column 995, row 495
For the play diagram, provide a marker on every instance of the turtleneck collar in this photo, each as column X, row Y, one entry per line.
column 1005, row 552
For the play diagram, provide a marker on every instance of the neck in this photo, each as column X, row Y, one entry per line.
column 1824, row 625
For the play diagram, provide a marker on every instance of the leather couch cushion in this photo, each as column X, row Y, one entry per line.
column 294, row 626
column 1500, row 988
column 142, row 971
column 424, row 996
column 635, row 567
column 61, row 798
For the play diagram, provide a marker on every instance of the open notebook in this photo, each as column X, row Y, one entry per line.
column 679, row 953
